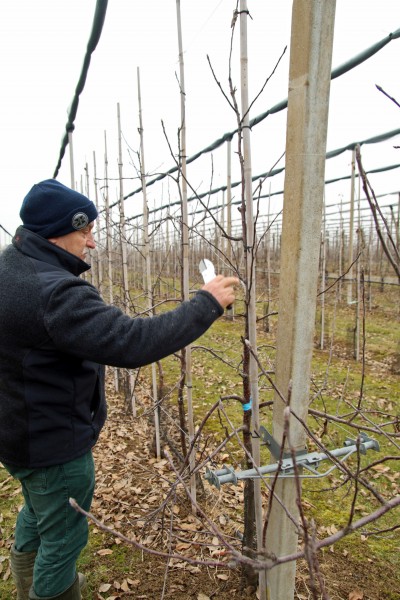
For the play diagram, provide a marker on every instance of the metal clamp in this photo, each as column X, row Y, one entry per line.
column 287, row 467
column 274, row 447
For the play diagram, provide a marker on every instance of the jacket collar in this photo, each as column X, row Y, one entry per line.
column 36, row 246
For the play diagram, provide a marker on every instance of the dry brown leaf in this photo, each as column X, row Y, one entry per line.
column 104, row 587
column 125, row 586
column 104, row 552
column 381, row 468
column 148, row 540
column 356, row 595
column 332, row 529
column 193, row 569
column 182, row 546
column 189, row 526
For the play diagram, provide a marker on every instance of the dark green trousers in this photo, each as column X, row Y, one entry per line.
column 47, row 523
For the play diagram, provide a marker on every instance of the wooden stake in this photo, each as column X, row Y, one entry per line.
column 146, row 253
column 128, row 376
column 109, row 243
column 97, row 230
column 251, row 281
column 122, row 225
column 185, row 250
column 351, row 231
column 323, row 268
column 230, row 311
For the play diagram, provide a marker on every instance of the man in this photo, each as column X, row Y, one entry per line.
column 56, row 333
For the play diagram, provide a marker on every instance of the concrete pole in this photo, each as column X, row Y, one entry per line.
column 308, row 100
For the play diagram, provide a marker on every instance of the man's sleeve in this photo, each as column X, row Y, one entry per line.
column 79, row 322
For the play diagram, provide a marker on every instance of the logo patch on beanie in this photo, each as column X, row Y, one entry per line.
column 80, row 220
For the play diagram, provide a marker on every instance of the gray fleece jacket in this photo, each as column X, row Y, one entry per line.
column 56, row 333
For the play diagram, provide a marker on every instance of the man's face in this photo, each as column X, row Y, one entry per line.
column 78, row 242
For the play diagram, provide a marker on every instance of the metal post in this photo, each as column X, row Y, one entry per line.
column 308, row 100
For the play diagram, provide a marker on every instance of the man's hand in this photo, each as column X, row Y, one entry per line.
column 223, row 289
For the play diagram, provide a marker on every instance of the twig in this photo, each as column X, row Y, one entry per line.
column 378, row 87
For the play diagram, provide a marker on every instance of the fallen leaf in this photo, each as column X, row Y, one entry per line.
column 189, row 526
column 356, row 595
column 182, row 546
column 104, row 552
column 193, row 569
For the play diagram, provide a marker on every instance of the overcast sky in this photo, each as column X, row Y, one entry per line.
column 42, row 45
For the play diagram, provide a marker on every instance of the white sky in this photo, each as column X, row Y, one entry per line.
column 42, row 45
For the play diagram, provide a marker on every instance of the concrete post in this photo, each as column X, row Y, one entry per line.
column 308, row 100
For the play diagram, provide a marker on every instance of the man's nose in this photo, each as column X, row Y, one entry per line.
column 90, row 243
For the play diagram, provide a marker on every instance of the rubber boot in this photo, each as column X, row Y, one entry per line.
column 82, row 581
column 72, row 593
column 22, row 570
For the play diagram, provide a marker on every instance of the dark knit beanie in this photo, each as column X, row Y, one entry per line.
column 51, row 209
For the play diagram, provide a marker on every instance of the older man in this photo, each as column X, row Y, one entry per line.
column 56, row 335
